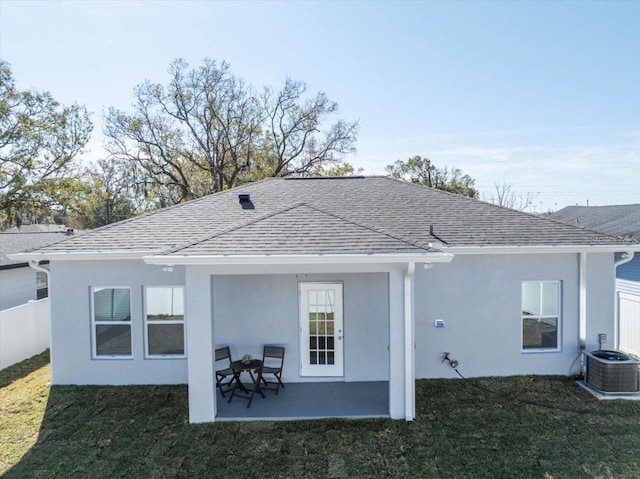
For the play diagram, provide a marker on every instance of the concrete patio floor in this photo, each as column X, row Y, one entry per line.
column 310, row 401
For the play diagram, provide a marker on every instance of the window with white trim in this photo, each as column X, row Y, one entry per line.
column 164, row 321
column 541, row 315
column 111, row 322
column 42, row 285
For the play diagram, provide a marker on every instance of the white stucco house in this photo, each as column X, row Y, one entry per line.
column 362, row 279
column 18, row 282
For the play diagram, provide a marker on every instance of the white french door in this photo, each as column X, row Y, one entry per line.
column 321, row 329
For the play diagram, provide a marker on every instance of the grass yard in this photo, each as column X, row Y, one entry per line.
column 553, row 430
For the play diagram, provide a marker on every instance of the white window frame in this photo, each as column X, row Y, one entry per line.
column 94, row 324
column 146, row 323
column 542, row 317
column 42, row 284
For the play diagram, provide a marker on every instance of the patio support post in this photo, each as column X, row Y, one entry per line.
column 200, row 364
column 409, row 346
column 396, row 345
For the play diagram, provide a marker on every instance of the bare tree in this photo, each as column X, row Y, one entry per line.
column 193, row 137
column 207, row 130
column 505, row 196
column 295, row 143
column 421, row 171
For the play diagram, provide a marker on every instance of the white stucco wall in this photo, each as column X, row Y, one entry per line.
column 17, row 286
column 479, row 298
column 71, row 357
column 253, row 310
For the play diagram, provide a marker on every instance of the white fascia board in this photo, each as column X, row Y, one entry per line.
column 79, row 255
column 171, row 260
column 614, row 248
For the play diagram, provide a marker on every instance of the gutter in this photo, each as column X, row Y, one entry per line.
column 531, row 249
column 79, row 256
column 36, row 265
column 171, row 260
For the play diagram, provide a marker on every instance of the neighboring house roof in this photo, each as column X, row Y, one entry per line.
column 38, row 228
column 617, row 220
column 16, row 240
column 352, row 215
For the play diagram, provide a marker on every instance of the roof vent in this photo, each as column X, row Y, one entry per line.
column 245, row 201
column 69, row 231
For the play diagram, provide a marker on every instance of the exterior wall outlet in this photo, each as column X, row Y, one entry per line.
column 439, row 323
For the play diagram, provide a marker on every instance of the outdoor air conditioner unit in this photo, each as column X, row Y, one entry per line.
column 612, row 372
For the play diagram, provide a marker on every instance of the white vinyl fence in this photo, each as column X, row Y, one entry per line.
column 24, row 331
column 629, row 317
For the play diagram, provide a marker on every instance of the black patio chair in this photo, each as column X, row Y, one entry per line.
column 272, row 362
column 223, row 356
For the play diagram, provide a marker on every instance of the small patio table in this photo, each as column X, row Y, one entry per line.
column 238, row 367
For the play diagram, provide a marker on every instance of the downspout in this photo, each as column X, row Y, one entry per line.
column 33, row 264
column 583, row 301
column 36, row 265
column 409, row 345
column 625, row 258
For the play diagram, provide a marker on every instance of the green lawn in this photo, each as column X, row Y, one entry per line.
column 526, row 427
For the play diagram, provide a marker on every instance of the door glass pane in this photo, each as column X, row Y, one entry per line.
column 330, row 357
column 322, row 327
column 330, row 298
column 313, row 328
column 312, row 357
column 330, row 342
column 312, row 343
column 321, row 358
column 330, row 327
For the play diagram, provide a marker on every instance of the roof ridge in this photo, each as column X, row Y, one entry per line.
column 369, row 227
column 231, row 228
column 284, row 210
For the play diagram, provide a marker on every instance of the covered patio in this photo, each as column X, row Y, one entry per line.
column 319, row 400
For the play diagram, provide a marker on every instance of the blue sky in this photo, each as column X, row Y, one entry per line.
column 542, row 95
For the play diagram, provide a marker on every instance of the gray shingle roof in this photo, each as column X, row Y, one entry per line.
column 617, row 220
column 17, row 241
column 301, row 229
column 349, row 215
